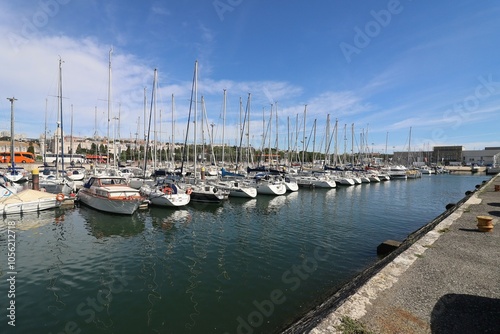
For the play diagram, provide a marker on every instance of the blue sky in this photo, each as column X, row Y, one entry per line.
column 384, row 66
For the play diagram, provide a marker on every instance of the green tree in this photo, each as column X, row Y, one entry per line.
column 31, row 148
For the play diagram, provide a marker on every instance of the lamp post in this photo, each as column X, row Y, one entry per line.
column 12, row 155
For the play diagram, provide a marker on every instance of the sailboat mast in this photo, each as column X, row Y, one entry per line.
column 327, row 141
column 155, row 138
column 248, row 126
column 352, row 145
column 304, row 139
column 61, row 112
column 386, row 138
column 45, row 137
column 223, row 126
column 172, row 137
column 335, row 152
column 195, row 112
column 409, row 147
column 109, row 105
column 145, row 105
column 71, row 138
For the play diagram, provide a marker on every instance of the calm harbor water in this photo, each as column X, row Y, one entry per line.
column 245, row 266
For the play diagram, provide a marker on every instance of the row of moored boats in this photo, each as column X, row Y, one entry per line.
column 125, row 190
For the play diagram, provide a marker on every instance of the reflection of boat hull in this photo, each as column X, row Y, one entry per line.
column 105, row 225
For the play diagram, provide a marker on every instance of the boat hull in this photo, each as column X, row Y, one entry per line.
column 28, row 201
column 111, row 205
column 271, row 189
column 170, row 200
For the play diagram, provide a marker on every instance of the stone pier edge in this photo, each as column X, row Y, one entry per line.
column 353, row 297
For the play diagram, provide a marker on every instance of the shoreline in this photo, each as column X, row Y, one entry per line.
column 371, row 297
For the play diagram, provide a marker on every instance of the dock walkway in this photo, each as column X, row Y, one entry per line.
column 447, row 281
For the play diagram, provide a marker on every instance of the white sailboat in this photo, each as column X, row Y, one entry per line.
column 164, row 193
column 56, row 180
column 234, row 183
column 201, row 191
column 27, row 200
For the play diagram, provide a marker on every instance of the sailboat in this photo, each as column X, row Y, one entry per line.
column 200, row 190
column 27, row 200
column 165, row 192
column 236, row 184
column 56, row 181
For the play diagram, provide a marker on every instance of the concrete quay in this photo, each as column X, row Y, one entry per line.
column 444, row 278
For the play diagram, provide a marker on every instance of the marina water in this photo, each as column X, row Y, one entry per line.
column 245, row 266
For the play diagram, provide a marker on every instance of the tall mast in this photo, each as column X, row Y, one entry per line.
column 155, row 138
column 109, row 105
column 304, row 138
column 71, row 138
column 409, row 148
column 352, row 145
column 172, row 137
column 45, row 137
column 386, row 137
column 195, row 111
column 335, row 152
column 327, row 141
column 248, row 126
column 145, row 123
column 61, row 115
column 223, row 126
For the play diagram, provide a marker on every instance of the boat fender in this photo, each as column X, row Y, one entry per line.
column 468, row 192
column 189, row 191
column 215, row 190
column 449, row 206
column 60, row 197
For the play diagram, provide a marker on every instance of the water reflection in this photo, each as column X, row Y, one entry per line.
column 272, row 205
column 33, row 220
column 101, row 224
column 168, row 219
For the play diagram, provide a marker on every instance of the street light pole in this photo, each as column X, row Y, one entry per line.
column 12, row 155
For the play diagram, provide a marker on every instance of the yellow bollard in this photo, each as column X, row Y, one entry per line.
column 35, row 179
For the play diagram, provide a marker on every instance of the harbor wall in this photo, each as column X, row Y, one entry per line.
column 314, row 317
